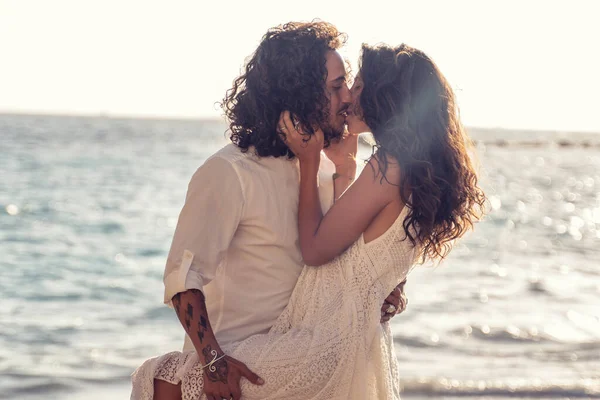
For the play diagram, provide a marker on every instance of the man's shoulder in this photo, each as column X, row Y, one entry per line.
column 230, row 153
column 220, row 167
column 247, row 164
column 231, row 161
column 247, row 160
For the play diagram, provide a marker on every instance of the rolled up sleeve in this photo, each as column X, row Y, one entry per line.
column 207, row 223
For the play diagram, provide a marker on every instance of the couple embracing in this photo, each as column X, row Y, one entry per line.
column 285, row 265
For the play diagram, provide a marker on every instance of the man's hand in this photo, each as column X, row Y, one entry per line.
column 221, row 374
column 395, row 303
column 222, row 379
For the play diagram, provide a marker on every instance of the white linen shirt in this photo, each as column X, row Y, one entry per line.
column 237, row 240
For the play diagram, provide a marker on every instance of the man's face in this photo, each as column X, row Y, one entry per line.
column 337, row 92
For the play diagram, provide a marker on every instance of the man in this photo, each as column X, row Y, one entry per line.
column 235, row 259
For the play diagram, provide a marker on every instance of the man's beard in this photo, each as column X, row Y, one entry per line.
column 331, row 134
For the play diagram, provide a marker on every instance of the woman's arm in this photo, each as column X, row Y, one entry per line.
column 343, row 155
column 322, row 238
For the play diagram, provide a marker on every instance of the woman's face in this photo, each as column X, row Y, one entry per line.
column 355, row 92
column 355, row 122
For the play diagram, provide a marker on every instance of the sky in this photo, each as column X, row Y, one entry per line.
column 513, row 64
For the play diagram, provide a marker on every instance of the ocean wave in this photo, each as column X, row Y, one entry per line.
column 419, row 342
column 416, row 386
column 20, row 386
column 505, row 334
column 537, row 388
column 44, row 388
column 17, row 385
column 529, row 139
column 85, row 242
column 586, row 144
column 538, row 143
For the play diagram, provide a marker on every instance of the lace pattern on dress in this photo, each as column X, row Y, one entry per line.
column 328, row 342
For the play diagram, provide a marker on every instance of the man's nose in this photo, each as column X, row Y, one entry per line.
column 346, row 95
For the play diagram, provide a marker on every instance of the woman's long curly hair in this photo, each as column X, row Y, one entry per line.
column 412, row 112
column 287, row 72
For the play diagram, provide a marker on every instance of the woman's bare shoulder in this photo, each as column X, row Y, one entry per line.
column 385, row 168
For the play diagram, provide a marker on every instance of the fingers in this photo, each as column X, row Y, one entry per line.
column 288, row 130
column 225, row 391
column 225, row 396
column 388, row 308
column 385, row 318
column 234, row 390
column 251, row 376
column 395, row 303
column 289, row 124
column 287, row 121
column 393, row 298
column 306, row 145
column 403, row 299
column 281, row 127
column 392, row 305
column 403, row 304
column 236, row 393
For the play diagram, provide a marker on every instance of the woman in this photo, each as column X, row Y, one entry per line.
column 416, row 196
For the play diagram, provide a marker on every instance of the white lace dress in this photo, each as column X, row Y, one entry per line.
column 327, row 344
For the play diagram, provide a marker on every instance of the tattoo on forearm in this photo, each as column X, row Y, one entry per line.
column 202, row 327
column 218, row 371
column 177, row 304
column 191, row 310
column 188, row 316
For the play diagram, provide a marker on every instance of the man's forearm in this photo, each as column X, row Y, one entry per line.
column 190, row 307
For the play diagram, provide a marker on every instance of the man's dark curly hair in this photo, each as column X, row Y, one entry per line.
column 414, row 118
column 286, row 72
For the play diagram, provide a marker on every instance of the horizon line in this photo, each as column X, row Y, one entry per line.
column 156, row 117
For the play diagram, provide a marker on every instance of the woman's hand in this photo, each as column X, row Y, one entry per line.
column 356, row 125
column 222, row 379
column 343, row 152
column 307, row 147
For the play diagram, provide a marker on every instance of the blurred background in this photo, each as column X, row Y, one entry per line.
column 108, row 107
